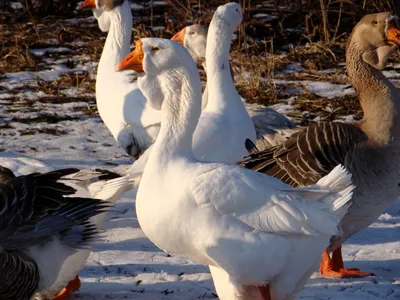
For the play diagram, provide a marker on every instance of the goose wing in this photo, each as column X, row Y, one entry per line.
column 265, row 203
column 34, row 207
column 308, row 155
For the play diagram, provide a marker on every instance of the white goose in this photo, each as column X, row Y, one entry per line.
column 122, row 107
column 224, row 124
column 39, row 229
column 106, row 186
column 272, row 128
column 242, row 222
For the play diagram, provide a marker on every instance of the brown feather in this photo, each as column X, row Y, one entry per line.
column 308, row 155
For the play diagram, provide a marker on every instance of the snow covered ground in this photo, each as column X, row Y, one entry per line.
column 126, row 265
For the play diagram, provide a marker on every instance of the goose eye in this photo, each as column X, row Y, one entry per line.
column 155, row 49
column 375, row 22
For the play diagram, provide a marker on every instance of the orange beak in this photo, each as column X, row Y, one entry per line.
column 134, row 61
column 88, row 4
column 393, row 36
column 179, row 37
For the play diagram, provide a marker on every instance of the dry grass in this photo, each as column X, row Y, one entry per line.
column 254, row 73
column 253, row 76
column 312, row 106
column 17, row 38
column 318, row 20
column 317, row 56
column 324, row 20
column 14, row 52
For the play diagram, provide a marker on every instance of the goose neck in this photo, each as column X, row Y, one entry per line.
column 219, row 77
column 218, row 47
column 181, row 110
column 118, row 39
column 379, row 98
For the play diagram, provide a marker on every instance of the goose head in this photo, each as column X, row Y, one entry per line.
column 194, row 38
column 230, row 13
column 377, row 30
column 99, row 7
column 159, row 64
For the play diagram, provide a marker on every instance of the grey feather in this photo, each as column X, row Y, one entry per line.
column 19, row 272
column 34, row 211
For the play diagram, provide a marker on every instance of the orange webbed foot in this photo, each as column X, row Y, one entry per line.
column 354, row 273
column 345, row 273
column 334, row 268
column 66, row 292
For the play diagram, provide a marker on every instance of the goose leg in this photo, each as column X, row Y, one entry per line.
column 265, row 292
column 334, row 267
column 66, row 293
